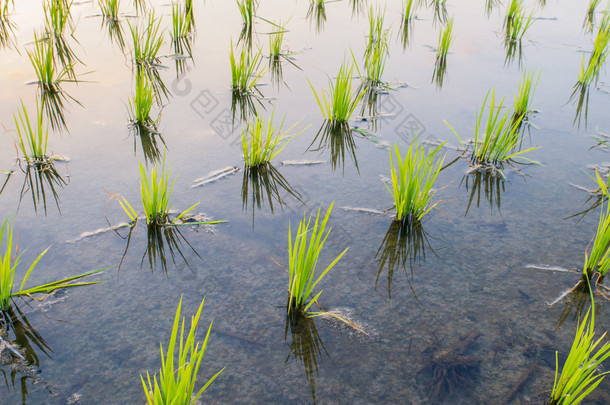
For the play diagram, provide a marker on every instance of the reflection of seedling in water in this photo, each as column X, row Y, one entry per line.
column 580, row 374
column 9, row 261
column 247, row 9
column 404, row 242
column 342, row 99
column 306, row 346
column 413, row 180
column 484, row 185
column 148, row 136
column 516, row 23
column 440, row 10
column 303, row 257
column 178, row 375
column 57, row 21
column 262, row 141
column 110, row 9
column 377, row 48
column 497, row 142
column 140, row 6
column 110, row 12
column 265, row 182
column 317, row 13
column 40, row 181
column 445, row 37
column 339, row 139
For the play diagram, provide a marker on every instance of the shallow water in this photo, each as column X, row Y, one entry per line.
column 474, row 276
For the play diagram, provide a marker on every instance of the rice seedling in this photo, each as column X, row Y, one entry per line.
column 57, row 22
column 589, row 22
column 247, row 9
column 580, row 374
column 523, row 96
column 317, row 14
column 276, row 40
column 45, row 66
column 598, row 260
column 146, row 42
column 303, row 258
column 244, row 76
column 343, row 97
column 377, row 49
column 178, row 375
column 181, row 21
column 7, row 26
column 261, row 141
column 406, row 27
column 155, row 189
column 32, row 140
column 110, row 9
column 141, row 103
column 516, row 22
column 10, row 259
column 445, row 38
column 413, row 180
column 497, row 141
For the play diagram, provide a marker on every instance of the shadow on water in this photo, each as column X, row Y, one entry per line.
column 264, row 185
column 306, row 346
column 404, row 243
column 19, row 357
column 339, row 139
column 484, row 185
column 149, row 137
column 8, row 177
column 163, row 243
column 40, row 181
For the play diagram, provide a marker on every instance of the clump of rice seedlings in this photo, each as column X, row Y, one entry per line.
column 182, row 20
column 9, row 262
column 146, row 42
column 413, row 180
column 110, row 9
column 581, row 374
column 45, row 65
column 303, row 255
column 57, row 21
column 244, row 76
column 343, row 97
column 141, row 103
column 317, row 13
column 410, row 6
column 261, row 141
column 589, row 22
column 276, row 40
column 155, row 189
column 178, row 375
column 377, row 49
column 497, row 141
column 7, row 27
column 516, row 22
column 32, row 139
column 524, row 95
column 247, row 9
column 598, row 260
column 445, row 38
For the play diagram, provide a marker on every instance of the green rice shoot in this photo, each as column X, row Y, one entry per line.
column 147, row 41
column 177, row 377
column 524, row 95
column 49, row 74
column 262, row 141
column 597, row 260
column 580, row 373
column 110, row 9
column 339, row 103
column 413, row 180
column 32, row 137
column 377, row 48
column 445, row 38
column 303, row 255
column 244, row 75
column 141, row 102
column 10, row 259
column 497, row 141
column 182, row 20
